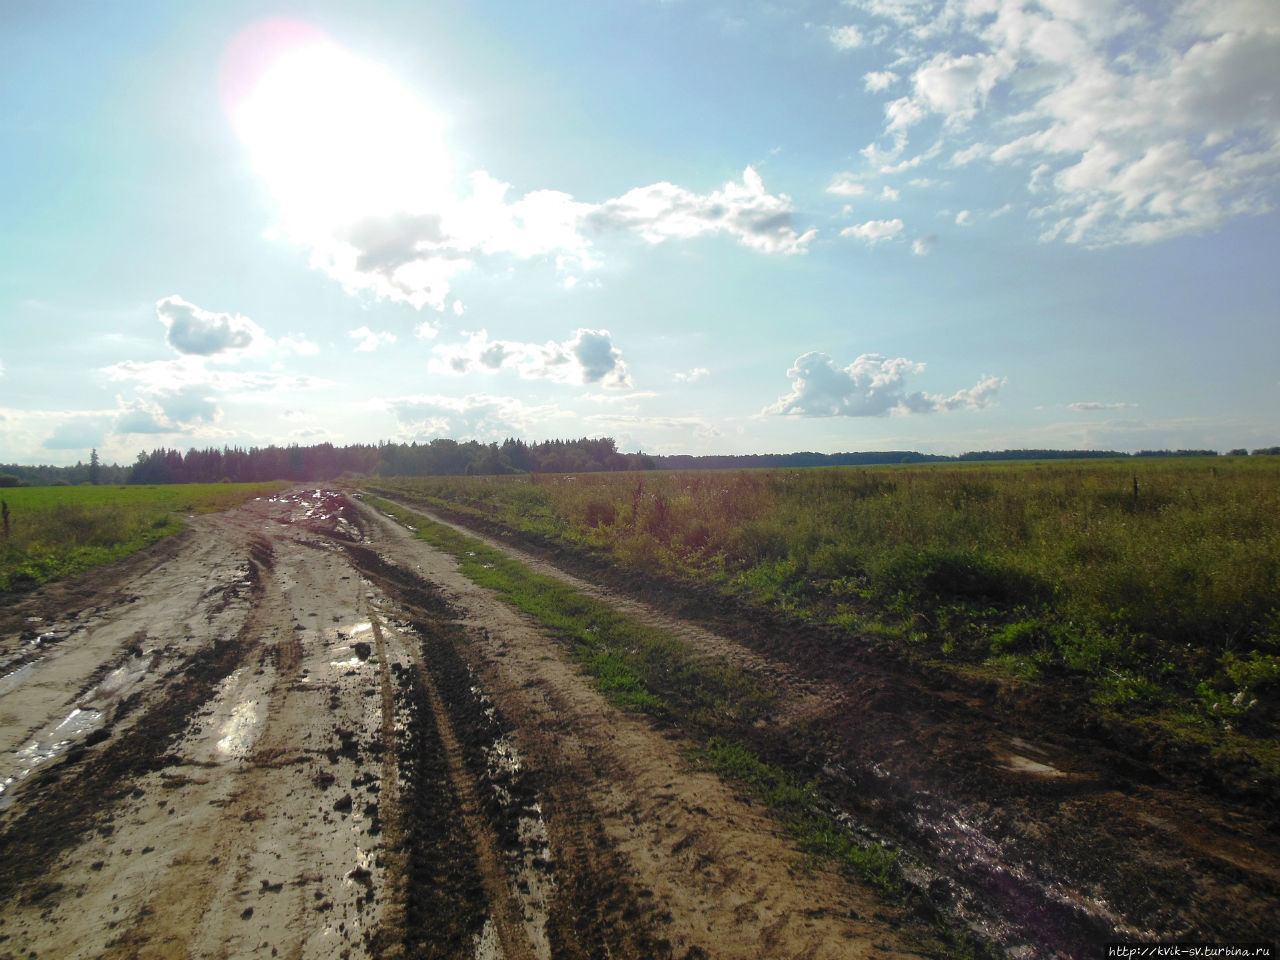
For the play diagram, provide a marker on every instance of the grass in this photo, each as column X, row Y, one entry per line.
column 1154, row 586
column 55, row 532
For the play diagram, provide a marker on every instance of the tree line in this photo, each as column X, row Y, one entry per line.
column 445, row 457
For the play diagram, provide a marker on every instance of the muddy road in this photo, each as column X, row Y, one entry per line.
column 296, row 731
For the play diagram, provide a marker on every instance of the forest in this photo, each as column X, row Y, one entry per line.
column 443, row 457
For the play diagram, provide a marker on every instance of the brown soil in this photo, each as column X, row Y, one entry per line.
column 297, row 731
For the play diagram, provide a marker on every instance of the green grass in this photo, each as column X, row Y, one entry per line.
column 1154, row 583
column 56, row 532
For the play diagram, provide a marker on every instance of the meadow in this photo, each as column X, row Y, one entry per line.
column 1149, row 588
column 54, row 532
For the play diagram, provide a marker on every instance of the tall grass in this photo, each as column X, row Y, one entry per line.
column 55, row 532
column 1155, row 582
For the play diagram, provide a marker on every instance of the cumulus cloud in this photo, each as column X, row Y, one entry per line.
column 846, row 185
column 370, row 341
column 414, row 257
column 845, row 38
column 192, row 330
column 1134, row 122
column 872, row 386
column 879, row 80
column 873, row 231
column 745, row 211
column 589, row 357
column 689, row 376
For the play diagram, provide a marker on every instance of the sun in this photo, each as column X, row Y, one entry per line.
column 336, row 138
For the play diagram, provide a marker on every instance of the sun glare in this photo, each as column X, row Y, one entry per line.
column 336, row 138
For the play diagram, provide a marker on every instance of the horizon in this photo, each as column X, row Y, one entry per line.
column 1055, row 454
column 860, row 226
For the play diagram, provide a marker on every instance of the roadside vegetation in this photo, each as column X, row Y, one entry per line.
column 1148, row 590
column 54, row 532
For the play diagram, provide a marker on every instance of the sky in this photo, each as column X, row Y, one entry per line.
column 693, row 226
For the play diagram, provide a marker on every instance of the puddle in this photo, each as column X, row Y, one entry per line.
column 977, row 875
column 1020, row 764
column 11, row 681
column 240, row 731
column 53, row 742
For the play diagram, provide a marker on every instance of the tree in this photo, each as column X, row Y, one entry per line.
column 95, row 467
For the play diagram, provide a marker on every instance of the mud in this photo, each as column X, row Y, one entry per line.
column 296, row 731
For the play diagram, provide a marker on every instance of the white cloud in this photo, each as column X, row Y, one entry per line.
column 589, row 357
column 745, row 211
column 873, row 231
column 846, row 185
column 369, row 340
column 191, row 330
column 889, row 193
column 962, row 218
column 845, row 38
column 414, row 257
column 921, row 246
column 872, row 386
column 879, row 80
column 689, row 376
column 1135, row 122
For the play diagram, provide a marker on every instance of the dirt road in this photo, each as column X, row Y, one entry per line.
column 296, row 731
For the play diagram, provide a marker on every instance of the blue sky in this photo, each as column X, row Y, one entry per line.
column 940, row 225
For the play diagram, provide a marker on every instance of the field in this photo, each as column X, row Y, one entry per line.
column 329, row 722
column 1151, row 588
column 53, row 532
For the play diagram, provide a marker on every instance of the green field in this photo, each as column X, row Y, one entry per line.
column 1150, row 589
column 54, row 532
